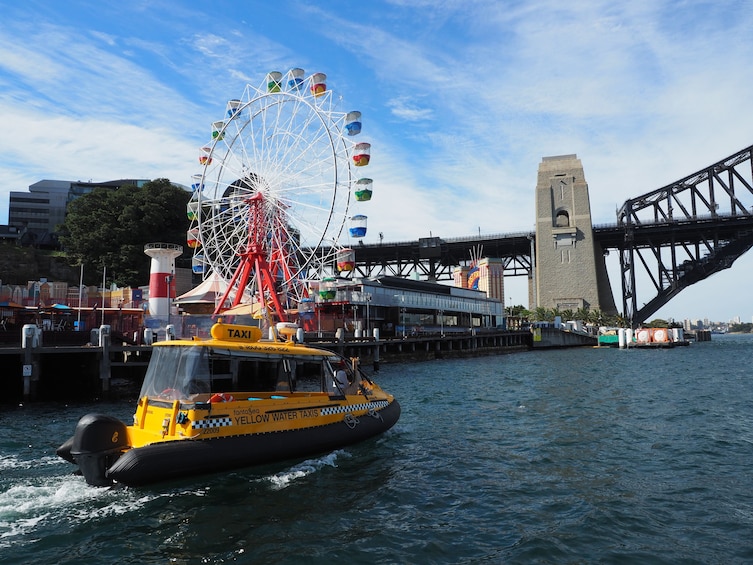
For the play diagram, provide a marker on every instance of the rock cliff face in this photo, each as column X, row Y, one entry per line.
column 18, row 265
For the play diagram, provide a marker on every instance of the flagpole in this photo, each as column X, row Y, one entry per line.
column 104, row 271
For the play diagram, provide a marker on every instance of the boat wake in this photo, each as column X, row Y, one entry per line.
column 303, row 469
column 24, row 508
column 13, row 462
column 33, row 505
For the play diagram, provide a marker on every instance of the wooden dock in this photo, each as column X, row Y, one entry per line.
column 66, row 366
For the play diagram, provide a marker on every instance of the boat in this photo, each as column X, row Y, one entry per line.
column 229, row 401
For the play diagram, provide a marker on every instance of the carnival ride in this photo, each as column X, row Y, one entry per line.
column 271, row 206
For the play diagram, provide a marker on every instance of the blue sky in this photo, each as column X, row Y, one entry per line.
column 460, row 99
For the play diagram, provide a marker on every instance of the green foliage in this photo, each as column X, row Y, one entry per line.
column 541, row 314
column 744, row 328
column 109, row 228
column 586, row 315
column 518, row 310
column 657, row 323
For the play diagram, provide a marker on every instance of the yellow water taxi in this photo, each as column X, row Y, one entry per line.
column 229, row 401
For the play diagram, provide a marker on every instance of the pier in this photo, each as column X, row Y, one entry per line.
column 50, row 366
column 424, row 347
column 64, row 366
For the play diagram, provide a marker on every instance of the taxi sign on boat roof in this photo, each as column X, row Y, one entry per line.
column 232, row 332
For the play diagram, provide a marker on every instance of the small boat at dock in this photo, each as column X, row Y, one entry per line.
column 230, row 401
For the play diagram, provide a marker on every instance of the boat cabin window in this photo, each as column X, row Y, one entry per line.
column 176, row 372
column 181, row 372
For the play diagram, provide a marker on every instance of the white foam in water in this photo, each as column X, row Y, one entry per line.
column 8, row 462
column 25, row 507
column 303, row 469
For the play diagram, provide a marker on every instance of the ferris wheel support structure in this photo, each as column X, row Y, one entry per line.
column 253, row 261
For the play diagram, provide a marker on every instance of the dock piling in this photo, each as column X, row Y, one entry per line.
column 376, row 350
column 104, row 360
column 31, row 341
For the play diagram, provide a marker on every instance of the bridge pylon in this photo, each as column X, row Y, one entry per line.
column 570, row 270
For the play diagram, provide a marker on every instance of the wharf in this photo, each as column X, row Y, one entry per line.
column 65, row 369
column 426, row 346
column 65, row 366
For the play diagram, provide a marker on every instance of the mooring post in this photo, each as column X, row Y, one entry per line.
column 104, row 360
column 376, row 350
column 340, row 338
column 31, row 341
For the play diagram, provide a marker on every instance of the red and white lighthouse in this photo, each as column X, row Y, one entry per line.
column 162, row 276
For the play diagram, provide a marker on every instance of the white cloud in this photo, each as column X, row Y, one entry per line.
column 407, row 109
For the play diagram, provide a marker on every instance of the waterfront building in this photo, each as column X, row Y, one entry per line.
column 460, row 276
column 38, row 212
column 398, row 306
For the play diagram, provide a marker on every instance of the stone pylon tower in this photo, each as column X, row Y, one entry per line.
column 570, row 268
column 460, row 277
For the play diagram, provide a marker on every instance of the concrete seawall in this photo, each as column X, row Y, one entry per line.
column 544, row 338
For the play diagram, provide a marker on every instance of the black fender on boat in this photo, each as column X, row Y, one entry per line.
column 98, row 442
column 64, row 451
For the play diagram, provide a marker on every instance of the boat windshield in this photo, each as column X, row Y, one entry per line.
column 177, row 372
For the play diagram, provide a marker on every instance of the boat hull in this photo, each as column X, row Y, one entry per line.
column 183, row 458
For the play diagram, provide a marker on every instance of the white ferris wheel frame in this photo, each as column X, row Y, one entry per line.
column 291, row 146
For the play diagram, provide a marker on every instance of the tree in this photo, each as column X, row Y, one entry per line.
column 518, row 310
column 566, row 315
column 583, row 314
column 541, row 314
column 109, row 228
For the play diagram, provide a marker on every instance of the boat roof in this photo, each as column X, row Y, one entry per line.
column 247, row 339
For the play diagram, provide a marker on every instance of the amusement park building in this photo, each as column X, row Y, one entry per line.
column 396, row 305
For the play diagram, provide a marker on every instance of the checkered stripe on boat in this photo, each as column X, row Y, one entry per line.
column 354, row 407
column 212, row 423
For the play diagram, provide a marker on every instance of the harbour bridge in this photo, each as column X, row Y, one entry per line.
column 667, row 239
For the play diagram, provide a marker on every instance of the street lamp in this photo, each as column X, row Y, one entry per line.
column 401, row 299
column 368, row 301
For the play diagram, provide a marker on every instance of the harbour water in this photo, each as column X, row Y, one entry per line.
column 563, row 456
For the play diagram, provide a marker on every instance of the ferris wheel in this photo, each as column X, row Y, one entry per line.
column 275, row 199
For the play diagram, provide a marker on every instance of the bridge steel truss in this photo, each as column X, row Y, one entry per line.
column 435, row 258
column 682, row 233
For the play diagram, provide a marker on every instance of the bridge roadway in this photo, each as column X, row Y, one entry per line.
column 665, row 233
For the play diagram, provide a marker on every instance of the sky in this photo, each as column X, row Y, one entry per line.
column 460, row 99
